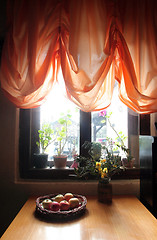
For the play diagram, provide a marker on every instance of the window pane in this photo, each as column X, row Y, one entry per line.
column 54, row 110
column 101, row 129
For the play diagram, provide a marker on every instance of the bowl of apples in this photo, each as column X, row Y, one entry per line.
column 61, row 206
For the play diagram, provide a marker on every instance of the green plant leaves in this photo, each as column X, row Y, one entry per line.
column 46, row 135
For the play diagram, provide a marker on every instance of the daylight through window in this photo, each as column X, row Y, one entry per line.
column 64, row 119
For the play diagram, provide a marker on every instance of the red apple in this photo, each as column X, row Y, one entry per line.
column 67, row 196
column 74, row 202
column 55, row 206
column 58, row 198
column 64, row 205
column 46, row 203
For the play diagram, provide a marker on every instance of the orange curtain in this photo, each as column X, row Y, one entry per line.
column 136, row 63
column 94, row 42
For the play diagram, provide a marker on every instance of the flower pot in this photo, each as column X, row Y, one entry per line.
column 128, row 163
column 40, row 160
column 60, row 161
column 105, row 192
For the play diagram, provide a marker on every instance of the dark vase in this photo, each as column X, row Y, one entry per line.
column 40, row 160
column 105, row 192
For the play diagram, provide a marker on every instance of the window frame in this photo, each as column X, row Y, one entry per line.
column 29, row 123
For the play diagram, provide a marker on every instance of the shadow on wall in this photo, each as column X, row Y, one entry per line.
column 10, row 203
column 12, row 197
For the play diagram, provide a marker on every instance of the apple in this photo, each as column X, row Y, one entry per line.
column 64, row 205
column 46, row 203
column 58, row 198
column 55, row 206
column 74, row 202
column 67, row 196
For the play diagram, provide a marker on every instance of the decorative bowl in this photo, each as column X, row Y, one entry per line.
column 60, row 215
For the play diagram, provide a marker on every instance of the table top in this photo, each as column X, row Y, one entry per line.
column 125, row 218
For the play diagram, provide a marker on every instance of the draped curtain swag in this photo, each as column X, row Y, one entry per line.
column 93, row 42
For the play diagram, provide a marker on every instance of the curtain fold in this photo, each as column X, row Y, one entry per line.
column 30, row 53
column 137, row 49
column 87, row 45
column 95, row 43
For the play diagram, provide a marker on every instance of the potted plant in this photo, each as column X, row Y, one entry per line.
column 46, row 134
column 62, row 137
column 99, row 165
column 89, row 165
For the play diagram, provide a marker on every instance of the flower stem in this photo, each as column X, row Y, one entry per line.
column 115, row 132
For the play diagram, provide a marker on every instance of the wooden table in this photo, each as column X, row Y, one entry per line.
column 125, row 219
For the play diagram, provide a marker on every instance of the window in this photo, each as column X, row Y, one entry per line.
column 84, row 127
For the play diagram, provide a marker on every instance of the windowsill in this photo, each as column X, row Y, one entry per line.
column 68, row 174
column 41, row 181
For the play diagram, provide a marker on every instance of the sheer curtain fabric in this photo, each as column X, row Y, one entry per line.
column 93, row 42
